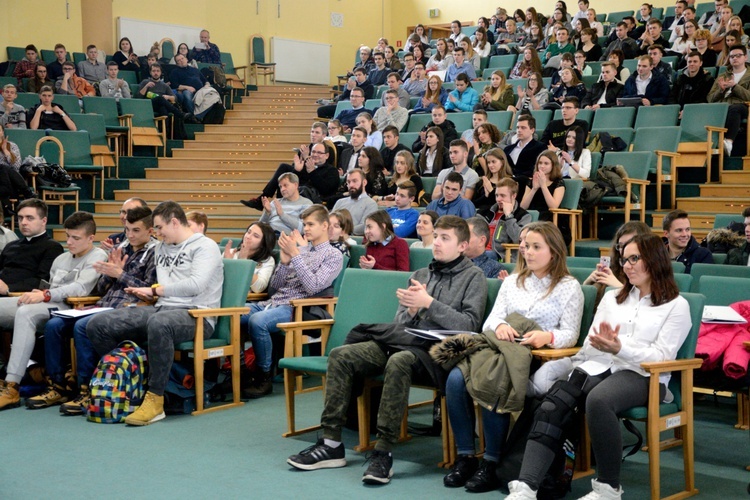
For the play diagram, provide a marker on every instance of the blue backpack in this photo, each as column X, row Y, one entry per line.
column 117, row 387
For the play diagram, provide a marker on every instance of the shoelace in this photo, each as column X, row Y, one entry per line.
column 378, row 460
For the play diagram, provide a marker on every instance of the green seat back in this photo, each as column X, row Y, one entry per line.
column 94, row 125
column 130, row 77
column 69, row 103
column 371, row 104
column 341, row 106
column 699, row 270
column 616, row 17
column 722, row 290
column 573, row 188
column 678, row 267
column 586, row 115
column 534, row 215
column 723, row 220
column 613, row 117
column 238, row 276
column 340, row 278
column 542, row 117
column 408, row 138
column 25, row 139
column 500, row 119
column 78, row 57
column 479, row 85
column 719, row 258
column 658, row 138
column 428, row 184
column 9, row 80
column 702, row 8
column 143, row 113
column 29, row 100
column 589, row 80
column 416, row 122
column 259, row 50
column 104, row 106
column 493, row 288
column 684, row 281
column 167, row 49
column 589, row 303
column 584, row 262
column 657, row 116
column 636, row 164
column 502, row 61
column 695, row 118
column 413, row 101
column 226, row 60
column 596, row 159
column 355, row 252
column 462, row 121
column 580, row 273
column 76, row 146
column 419, row 258
column 16, row 53
column 487, row 73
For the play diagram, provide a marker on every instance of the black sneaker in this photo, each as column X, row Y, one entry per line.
column 319, row 456
column 380, row 470
column 484, row 479
column 255, row 203
column 463, row 469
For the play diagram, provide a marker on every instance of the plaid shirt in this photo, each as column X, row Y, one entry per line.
column 310, row 272
column 24, row 69
column 139, row 271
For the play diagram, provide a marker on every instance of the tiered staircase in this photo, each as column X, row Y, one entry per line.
column 225, row 163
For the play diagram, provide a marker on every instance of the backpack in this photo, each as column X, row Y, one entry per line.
column 47, row 174
column 117, row 387
column 215, row 75
column 603, row 142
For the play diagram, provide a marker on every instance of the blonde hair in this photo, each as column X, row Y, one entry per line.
column 558, row 268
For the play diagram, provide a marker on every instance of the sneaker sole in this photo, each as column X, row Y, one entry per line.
column 141, row 423
column 10, row 406
column 71, row 412
column 367, row 479
column 38, row 405
column 323, row 464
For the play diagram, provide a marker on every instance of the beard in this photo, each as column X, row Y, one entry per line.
column 354, row 194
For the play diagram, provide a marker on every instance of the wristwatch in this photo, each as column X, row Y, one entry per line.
column 47, row 296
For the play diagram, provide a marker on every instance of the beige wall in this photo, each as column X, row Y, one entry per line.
column 232, row 22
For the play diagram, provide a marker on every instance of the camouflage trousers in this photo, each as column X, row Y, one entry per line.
column 367, row 359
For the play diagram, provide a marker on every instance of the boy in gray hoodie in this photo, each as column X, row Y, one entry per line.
column 190, row 274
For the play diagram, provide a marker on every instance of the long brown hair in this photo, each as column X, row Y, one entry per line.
column 434, row 96
column 558, row 267
column 505, row 171
column 5, row 142
column 410, row 170
column 437, row 166
column 656, row 262
column 382, row 219
column 556, row 172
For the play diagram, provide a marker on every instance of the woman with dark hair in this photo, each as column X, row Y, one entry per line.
column 391, row 60
column 486, row 137
column 645, row 13
column 40, row 79
column 543, row 292
column 644, row 321
column 570, row 86
column 534, row 38
column 434, row 155
column 340, row 227
column 575, row 158
column 481, row 45
column 426, row 229
column 519, row 16
column 578, row 26
column 257, row 244
column 546, row 189
column 371, row 163
column 383, row 249
column 684, row 44
column 441, row 58
column 185, row 51
column 497, row 168
column 589, row 45
column 419, row 55
column 617, row 57
column 125, row 57
column 534, row 96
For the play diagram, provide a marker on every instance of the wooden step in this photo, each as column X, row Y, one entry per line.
column 279, row 105
column 259, row 114
column 190, row 195
column 210, row 207
column 735, row 177
column 210, row 163
column 259, row 129
column 213, row 174
column 270, row 137
column 715, row 205
column 268, row 122
column 216, row 145
column 738, row 191
column 208, row 186
column 281, row 90
column 271, row 154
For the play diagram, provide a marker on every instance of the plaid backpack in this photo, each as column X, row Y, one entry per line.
column 117, row 387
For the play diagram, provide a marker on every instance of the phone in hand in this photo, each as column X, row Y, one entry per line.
column 604, row 260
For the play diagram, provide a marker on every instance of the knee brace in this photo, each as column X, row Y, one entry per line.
column 555, row 414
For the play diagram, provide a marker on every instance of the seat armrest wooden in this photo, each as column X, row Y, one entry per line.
column 304, row 325
column 219, row 311
column 552, row 354
column 656, row 367
column 313, row 301
column 78, row 302
column 15, row 294
column 569, row 211
column 293, row 331
column 642, row 182
column 255, row 297
column 670, row 154
column 715, row 129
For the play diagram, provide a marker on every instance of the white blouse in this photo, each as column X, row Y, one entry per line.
column 559, row 312
column 584, row 166
column 263, row 273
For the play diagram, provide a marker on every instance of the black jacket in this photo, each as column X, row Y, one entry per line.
column 527, row 159
column 614, row 90
column 687, row 90
column 449, row 134
column 24, row 263
column 693, row 253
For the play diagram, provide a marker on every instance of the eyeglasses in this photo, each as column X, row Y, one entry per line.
column 318, row 152
column 632, row 260
column 735, row 56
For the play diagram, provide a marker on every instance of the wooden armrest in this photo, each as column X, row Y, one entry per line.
column 746, row 344
column 314, row 301
column 255, row 297
column 219, row 311
column 15, row 294
column 304, row 325
column 715, row 129
column 642, row 182
column 128, row 116
column 110, row 135
column 82, row 301
column 571, row 211
column 666, row 153
column 655, row 367
column 550, row 354
column 160, row 118
column 240, row 67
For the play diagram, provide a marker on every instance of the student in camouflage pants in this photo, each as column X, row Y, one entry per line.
column 449, row 295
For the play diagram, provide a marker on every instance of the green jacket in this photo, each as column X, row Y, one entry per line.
column 738, row 256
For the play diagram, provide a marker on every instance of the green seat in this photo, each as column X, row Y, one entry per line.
column 428, row 184
column 144, row 128
column 657, row 116
column 413, row 101
column 69, row 103
column 78, row 57
column 702, row 136
column 462, row 121
column 407, row 138
column 417, row 121
column 589, row 80
column 723, row 290
column 677, row 415
column 355, row 252
column 487, row 73
column 479, row 85
column 664, row 142
column 16, row 53
column 258, row 64
column 48, row 56
column 101, row 153
column 500, row 119
column 130, row 77
column 616, row 17
column 225, row 340
column 606, row 118
column 580, row 273
column 542, row 118
column 502, row 61
column 9, row 80
column 28, row 100
column 702, row 8
column 582, row 262
column 719, row 258
column 698, row 270
column 77, row 158
column 636, row 165
column 684, row 281
column 419, row 258
column 380, row 289
column 372, row 104
column 341, row 106
column 106, row 107
column 25, row 139
column 678, row 268
column 60, row 196
column 589, row 308
column 232, row 73
column 723, row 220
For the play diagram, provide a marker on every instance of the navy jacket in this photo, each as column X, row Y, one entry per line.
column 657, row 91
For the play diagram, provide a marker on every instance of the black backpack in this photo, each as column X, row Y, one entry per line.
column 49, row 175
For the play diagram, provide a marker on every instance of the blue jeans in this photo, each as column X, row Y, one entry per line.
column 260, row 324
column 56, row 333
column 185, row 98
column 461, row 415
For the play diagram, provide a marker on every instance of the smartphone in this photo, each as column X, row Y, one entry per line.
column 604, row 260
column 297, row 152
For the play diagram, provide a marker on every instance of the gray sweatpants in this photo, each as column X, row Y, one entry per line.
column 25, row 321
column 162, row 327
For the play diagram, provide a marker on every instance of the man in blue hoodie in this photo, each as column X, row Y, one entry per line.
column 452, row 203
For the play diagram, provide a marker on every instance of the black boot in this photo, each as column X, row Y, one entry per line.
column 262, row 386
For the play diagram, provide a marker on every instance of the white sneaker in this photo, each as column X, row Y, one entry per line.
column 603, row 491
column 728, row 146
column 520, row 491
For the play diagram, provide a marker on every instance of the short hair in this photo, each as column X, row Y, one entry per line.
column 562, row 28
column 392, row 129
column 622, row 24
column 567, row 56
column 89, row 47
column 459, row 49
column 408, row 54
column 657, row 46
column 409, row 187
column 198, row 217
column 59, row 46
column 683, row 2
column 746, row 212
column 455, row 177
column 456, row 223
column 9, row 86
column 168, row 210
column 573, row 100
column 81, row 220
column 396, row 76
column 609, row 64
column 438, row 107
column 738, row 47
column 357, row 171
column 361, row 129
column 112, row 63
column 134, row 215
column 508, row 182
column 689, row 8
column 647, row 58
column 653, row 20
column 290, row 176
column 527, row 118
column 695, row 53
column 360, row 69
column 378, row 53
column 480, row 112
column 320, row 125
column 617, row 53
column 39, row 205
column 317, row 212
column 30, row 47
column 459, row 143
column 479, row 227
column 46, row 88
column 463, row 77
column 418, row 63
column 68, row 64
column 672, row 216
column 391, row 91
